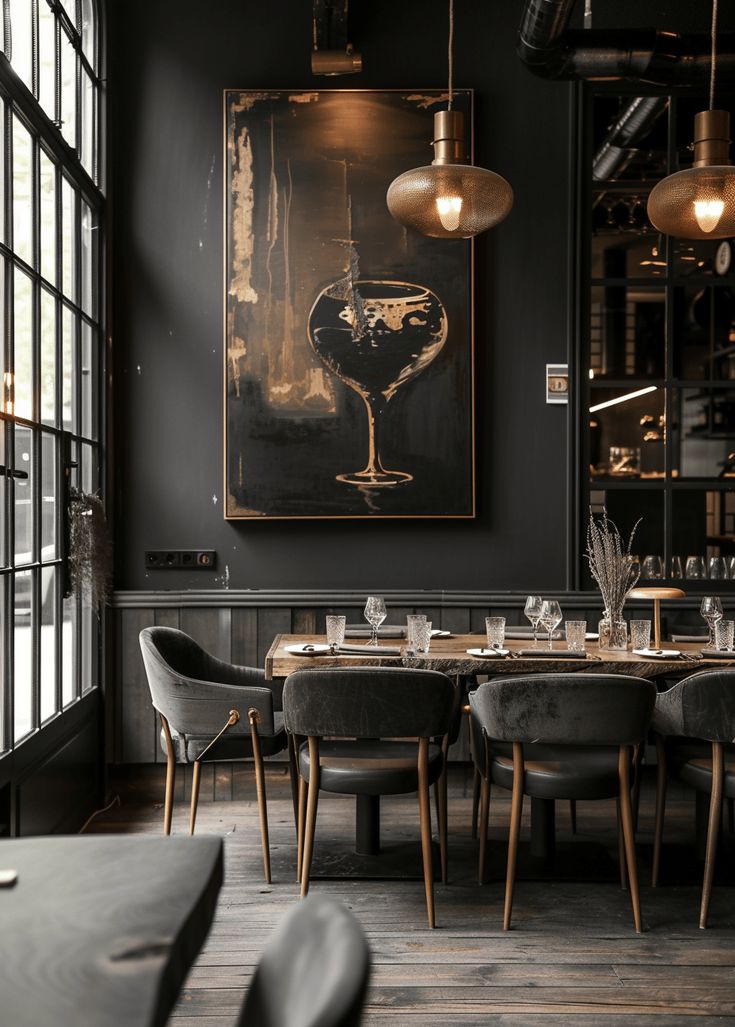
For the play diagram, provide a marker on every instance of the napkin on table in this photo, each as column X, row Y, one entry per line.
column 553, row 654
column 369, row 650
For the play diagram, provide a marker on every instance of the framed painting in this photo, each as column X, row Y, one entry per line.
column 349, row 339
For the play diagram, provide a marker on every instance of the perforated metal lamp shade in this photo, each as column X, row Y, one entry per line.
column 699, row 203
column 486, row 199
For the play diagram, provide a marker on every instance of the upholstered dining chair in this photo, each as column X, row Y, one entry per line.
column 313, row 971
column 694, row 727
column 210, row 710
column 370, row 731
column 561, row 736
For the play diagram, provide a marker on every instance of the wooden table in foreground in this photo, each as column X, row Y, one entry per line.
column 100, row 931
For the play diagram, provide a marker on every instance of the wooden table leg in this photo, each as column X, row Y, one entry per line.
column 543, row 833
column 367, row 825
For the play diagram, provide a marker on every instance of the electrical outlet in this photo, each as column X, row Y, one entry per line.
column 180, row 559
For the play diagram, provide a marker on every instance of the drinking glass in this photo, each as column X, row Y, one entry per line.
column 724, row 634
column 676, row 568
column 422, row 636
column 717, row 569
column 335, row 630
column 412, row 620
column 550, row 616
column 711, row 610
column 640, row 634
column 653, row 567
column 532, row 611
column 695, row 567
column 731, row 567
column 495, row 629
column 375, row 614
column 576, row 631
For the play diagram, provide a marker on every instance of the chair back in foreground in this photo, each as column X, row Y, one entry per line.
column 348, row 722
column 694, row 725
column 313, row 972
column 583, row 728
column 209, row 710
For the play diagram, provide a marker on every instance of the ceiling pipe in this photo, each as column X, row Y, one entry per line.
column 656, row 57
column 617, row 148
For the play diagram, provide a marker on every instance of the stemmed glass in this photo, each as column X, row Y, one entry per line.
column 532, row 610
column 550, row 616
column 375, row 614
column 711, row 610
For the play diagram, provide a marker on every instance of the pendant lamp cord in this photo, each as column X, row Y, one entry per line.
column 714, row 57
column 450, row 48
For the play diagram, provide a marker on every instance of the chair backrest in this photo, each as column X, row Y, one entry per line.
column 184, row 679
column 700, row 706
column 368, row 702
column 313, row 971
column 566, row 709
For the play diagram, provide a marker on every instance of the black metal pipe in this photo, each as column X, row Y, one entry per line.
column 617, row 148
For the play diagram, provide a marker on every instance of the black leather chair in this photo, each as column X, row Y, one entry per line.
column 369, row 718
column 694, row 725
column 313, row 971
column 210, row 710
column 561, row 736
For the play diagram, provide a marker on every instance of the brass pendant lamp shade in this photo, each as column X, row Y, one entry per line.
column 699, row 203
column 449, row 199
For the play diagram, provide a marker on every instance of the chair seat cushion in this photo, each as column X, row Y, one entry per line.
column 561, row 771
column 188, row 748
column 370, row 766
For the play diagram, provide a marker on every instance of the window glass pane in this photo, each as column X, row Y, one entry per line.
column 68, row 90
column 48, row 496
column 23, row 344
column 4, row 583
column 627, row 332
column 90, row 646
column 88, row 124
column 88, row 32
column 704, row 332
column 22, row 192
column 89, row 261
column 703, row 527
column 23, row 654
column 21, row 15
column 90, row 478
column 68, row 338
column 48, row 218
column 693, row 257
column 5, row 431
column 705, row 433
column 69, row 651
column 48, row 642
column 637, row 255
column 3, row 157
column 627, row 431
column 88, row 382
column 68, row 240
column 23, row 495
column 48, row 358
column 625, row 506
column 47, row 59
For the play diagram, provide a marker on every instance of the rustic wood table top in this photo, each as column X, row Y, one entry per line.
column 450, row 656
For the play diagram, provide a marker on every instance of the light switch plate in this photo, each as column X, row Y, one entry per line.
column 557, row 383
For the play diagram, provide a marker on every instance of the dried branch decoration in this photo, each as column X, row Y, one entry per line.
column 611, row 563
column 90, row 547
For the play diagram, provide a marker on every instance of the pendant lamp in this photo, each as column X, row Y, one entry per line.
column 699, row 203
column 449, row 199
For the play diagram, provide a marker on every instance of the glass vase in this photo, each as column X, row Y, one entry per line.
column 613, row 632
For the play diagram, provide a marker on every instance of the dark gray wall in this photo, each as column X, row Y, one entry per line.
column 169, row 62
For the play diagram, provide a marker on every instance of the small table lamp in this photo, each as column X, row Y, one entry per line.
column 656, row 594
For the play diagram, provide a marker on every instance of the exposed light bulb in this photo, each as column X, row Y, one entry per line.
column 449, row 208
column 708, row 213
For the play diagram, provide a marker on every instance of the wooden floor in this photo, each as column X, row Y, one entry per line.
column 572, row 955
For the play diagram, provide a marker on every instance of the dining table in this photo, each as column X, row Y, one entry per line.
column 449, row 654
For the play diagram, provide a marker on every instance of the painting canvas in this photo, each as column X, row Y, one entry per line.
column 349, row 360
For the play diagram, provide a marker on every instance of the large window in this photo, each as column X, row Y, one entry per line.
column 52, row 352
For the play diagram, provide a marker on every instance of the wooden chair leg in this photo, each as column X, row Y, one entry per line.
column 621, row 849
column 626, row 815
column 713, row 829
column 476, row 785
column 195, row 776
column 658, row 830
column 293, row 774
column 484, row 820
column 443, row 813
column 311, row 804
column 425, row 826
column 573, row 814
column 301, row 828
column 253, row 718
column 168, row 806
column 516, row 810
column 637, row 758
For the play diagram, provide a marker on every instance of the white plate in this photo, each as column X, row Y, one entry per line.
column 307, row 649
column 658, row 654
column 591, row 636
column 438, row 633
column 485, row 653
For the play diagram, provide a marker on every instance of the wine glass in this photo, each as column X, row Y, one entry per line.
column 375, row 336
column 532, row 610
column 711, row 610
column 695, row 567
column 375, row 614
column 653, row 567
column 550, row 616
column 716, row 569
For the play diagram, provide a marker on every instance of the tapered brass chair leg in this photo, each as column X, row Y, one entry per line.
column 293, row 774
column 196, row 771
column 168, row 807
column 476, row 786
column 311, row 806
column 626, row 815
column 253, row 718
column 713, row 829
column 658, row 830
column 484, row 818
column 301, row 828
column 425, row 824
column 516, row 811
column 621, row 848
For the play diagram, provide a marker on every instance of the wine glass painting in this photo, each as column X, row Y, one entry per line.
column 349, row 349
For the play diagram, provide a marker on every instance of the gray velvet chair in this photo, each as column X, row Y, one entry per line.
column 313, row 972
column 369, row 718
column 210, row 710
column 561, row 736
column 694, row 725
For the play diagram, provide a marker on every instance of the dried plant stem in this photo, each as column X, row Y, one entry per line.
column 611, row 563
